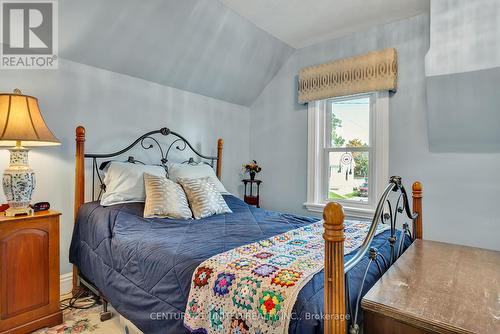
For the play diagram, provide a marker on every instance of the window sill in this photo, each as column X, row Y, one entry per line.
column 349, row 211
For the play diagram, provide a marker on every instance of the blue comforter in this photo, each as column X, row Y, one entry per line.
column 144, row 266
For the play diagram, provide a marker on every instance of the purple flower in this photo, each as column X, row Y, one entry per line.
column 264, row 270
column 223, row 283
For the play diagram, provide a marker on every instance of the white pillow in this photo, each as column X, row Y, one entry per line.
column 165, row 199
column 125, row 182
column 178, row 171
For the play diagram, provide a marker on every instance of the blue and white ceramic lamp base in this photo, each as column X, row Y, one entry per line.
column 18, row 182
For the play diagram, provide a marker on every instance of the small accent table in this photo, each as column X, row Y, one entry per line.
column 250, row 198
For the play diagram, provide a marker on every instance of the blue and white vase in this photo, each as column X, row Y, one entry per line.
column 18, row 179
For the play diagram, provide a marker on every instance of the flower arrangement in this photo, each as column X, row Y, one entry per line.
column 252, row 168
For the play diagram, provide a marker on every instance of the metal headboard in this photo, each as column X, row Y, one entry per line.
column 147, row 141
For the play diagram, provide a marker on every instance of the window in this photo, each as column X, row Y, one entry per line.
column 348, row 152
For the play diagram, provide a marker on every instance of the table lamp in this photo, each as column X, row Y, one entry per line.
column 21, row 126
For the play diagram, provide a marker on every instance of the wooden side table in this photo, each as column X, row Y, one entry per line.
column 29, row 272
column 250, row 198
column 436, row 287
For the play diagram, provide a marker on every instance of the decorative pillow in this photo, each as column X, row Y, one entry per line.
column 204, row 198
column 125, row 182
column 187, row 171
column 165, row 199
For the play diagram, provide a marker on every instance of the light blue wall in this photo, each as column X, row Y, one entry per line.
column 463, row 71
column 464, row 112
column 116, row 109
column 460, row 190
column 464, row 36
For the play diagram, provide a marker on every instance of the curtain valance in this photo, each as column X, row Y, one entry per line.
column 374, row 71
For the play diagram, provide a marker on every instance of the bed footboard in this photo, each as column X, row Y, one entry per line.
column 335, row 317
column 335, row 302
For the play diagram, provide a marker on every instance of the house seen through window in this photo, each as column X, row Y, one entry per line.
column 348, row 152
column 348, row 148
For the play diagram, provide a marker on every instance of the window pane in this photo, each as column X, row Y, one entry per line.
column 350, row 122
column 348, row 176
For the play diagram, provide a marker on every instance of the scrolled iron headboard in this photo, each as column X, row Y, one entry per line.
column 148, row 141
column 180, row 144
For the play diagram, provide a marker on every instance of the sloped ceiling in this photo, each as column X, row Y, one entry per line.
column 302, row 23
column 199, row 46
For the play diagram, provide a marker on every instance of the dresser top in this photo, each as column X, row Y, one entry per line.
column 36, row 215
column 441, row 287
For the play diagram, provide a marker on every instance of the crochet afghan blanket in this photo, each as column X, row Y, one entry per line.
column 253, row 288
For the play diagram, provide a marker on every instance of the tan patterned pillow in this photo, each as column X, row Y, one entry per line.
column 204, row 198
column 165, row 199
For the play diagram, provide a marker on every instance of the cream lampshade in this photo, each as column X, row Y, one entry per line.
column 21, row 126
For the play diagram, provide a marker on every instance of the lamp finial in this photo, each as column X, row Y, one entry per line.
column 18, row 91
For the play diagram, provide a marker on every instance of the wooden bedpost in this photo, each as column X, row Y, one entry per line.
column 417, row 207
column 335, row 303
column 220, row 145
column 79, row 187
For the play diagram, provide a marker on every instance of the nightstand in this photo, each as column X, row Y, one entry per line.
column 436, row 287
column 250, row 198
column 29, row 274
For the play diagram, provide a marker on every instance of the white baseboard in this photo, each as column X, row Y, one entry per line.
column 66, row 283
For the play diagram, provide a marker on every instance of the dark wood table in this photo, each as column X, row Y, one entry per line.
column 250, row 198
column 436, row 287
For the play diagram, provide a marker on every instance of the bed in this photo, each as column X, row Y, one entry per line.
column 144, row 267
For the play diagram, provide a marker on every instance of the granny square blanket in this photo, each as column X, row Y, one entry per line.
column 253, row 288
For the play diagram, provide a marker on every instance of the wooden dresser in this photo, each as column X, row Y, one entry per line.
column 437, row 288
column 29, row 272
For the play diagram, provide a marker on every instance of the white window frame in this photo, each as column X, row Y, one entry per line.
column 317, row 178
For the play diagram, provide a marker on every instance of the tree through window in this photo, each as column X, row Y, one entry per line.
column 348, row 150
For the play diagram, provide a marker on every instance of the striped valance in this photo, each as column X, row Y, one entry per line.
column 374, row 71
